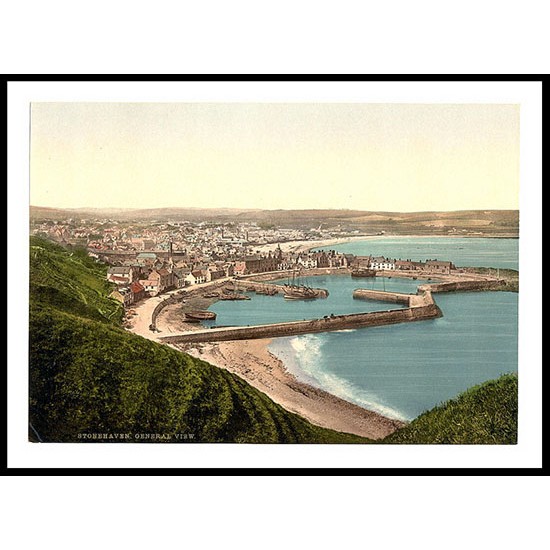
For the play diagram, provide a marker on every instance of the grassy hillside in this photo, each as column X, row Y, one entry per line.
column 484, row 414
column 87, row 375
column 70, row 281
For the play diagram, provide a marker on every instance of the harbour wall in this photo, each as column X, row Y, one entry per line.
column 382, row 296
column 173, row 299
column 286, row 273
column 328, row 324
column 179, row 297
column 464, row 286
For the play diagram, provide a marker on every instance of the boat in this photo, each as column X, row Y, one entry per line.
column 199, row 315
column 235, row 296
column 212, row 295
column 297, row 291
column 267, row 291
column 363, row 272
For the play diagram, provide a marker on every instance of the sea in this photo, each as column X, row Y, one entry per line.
column 400, row 370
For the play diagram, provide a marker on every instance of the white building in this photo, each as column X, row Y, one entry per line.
column 380, row 263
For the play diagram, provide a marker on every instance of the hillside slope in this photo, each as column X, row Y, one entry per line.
column 485, row 414
column 89, row 376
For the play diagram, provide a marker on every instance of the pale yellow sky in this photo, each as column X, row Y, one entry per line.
column 390, row 157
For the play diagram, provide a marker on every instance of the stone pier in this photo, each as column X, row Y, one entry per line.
column 422, row 308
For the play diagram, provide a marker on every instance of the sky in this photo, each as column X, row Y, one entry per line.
column 378, row 157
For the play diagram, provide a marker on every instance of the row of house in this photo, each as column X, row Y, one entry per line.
column 135, row 282
column 379, row 263
column 278, row 262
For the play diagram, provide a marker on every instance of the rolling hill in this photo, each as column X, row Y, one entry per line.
column 487, row 222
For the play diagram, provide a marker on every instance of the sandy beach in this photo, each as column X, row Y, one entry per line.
column 252, row 361
column 303, row 246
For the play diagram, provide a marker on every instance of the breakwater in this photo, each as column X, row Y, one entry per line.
column 424, row 308
column 464, row 286
column 382, row 296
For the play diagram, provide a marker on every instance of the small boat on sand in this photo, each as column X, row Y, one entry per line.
column 199, row 315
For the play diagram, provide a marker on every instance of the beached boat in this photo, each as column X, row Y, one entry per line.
column 199, row 315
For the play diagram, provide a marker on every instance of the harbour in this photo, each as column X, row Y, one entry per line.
column 385, row 368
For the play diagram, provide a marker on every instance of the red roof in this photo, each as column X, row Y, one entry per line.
column 137, row 287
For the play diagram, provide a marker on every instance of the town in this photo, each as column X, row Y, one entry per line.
column 151, row 259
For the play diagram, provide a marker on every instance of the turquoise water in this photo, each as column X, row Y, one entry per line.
column 398, row 370
column 275, row 309
column 463, row 252
column 404, row 370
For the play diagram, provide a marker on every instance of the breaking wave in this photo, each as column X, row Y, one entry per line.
column 307, row 365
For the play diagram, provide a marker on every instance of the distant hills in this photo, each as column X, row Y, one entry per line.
column 471, row 222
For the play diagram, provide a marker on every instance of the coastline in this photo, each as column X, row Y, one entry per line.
column 252, row 361
column 304, row 246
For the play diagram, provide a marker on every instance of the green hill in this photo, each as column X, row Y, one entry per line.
column 484, row 414
column 89, row 376
column 70, row 281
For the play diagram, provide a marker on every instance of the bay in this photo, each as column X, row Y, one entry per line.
column 399, row 370
column 463, row 252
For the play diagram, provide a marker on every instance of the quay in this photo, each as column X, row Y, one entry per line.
column 418, row 307
column 422, row 308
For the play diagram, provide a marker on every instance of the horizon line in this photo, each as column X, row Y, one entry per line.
column 266, row 209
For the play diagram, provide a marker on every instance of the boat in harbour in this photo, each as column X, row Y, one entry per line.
column 267, row 290
column 199, row 315
column 296, row 291
column 234, row 297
